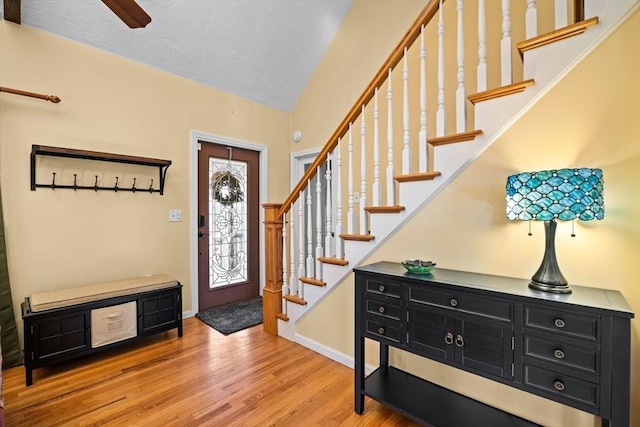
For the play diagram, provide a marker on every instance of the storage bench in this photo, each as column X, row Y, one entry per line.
column 70, row 323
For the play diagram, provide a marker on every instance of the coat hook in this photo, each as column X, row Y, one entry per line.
column 75, row 185
column 151, row 186
column 95, row 185
column 115, row 187
column 133, row 188
column 53, row 181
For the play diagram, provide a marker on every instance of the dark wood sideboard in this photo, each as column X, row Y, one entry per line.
column 572, row 348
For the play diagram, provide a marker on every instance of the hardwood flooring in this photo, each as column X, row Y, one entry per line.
column 247, row 378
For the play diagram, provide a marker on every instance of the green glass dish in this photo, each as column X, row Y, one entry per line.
column 418, row 269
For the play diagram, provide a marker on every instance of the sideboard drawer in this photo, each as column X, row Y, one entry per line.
column 383, row 330
column 462, row 301
column 561, row 385
column 385, row 307
column 563, row 354
column 383, row 287
column 566, row 323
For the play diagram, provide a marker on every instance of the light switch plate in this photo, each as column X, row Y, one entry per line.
column 175, row 215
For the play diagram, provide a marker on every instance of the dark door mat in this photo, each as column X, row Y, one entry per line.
column 233, row 317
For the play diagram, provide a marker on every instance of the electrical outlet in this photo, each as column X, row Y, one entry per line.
column 175, row 215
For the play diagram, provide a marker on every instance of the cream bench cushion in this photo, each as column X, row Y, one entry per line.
column 72, row 296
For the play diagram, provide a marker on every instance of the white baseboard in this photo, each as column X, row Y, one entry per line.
column 331, row 353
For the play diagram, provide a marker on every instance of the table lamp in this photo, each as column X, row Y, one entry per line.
column 551, row 195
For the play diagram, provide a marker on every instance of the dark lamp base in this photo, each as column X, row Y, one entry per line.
column 549, row 278
column 556, row 289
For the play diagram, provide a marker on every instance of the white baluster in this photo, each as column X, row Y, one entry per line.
column 423, row 152
column 364, row 223
column 505, row 44
column 293, row 280
column 561, row 14
column 441, row 116
column 319, row 249
column 391, row 187
column 351, row 216
column 310, row 262
column 531, row 20
column 377, row 188
column 285, row 259
column 285, row 291
column 338, row 186
column 482, row 47
column 301, row 269
column 328, row 239
column 461, row 97
column 406, row 150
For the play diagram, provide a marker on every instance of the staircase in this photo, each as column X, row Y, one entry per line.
column 378, row 168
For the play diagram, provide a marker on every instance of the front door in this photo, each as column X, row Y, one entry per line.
column 228, row 225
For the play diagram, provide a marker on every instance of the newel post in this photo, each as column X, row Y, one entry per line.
column 272, row 292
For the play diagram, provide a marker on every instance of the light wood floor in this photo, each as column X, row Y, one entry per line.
column 202, row 379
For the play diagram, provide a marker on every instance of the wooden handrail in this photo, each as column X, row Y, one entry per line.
column 396, row 56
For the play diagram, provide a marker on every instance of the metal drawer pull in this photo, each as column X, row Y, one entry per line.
column 448, row 338
column 381, row 288
column 459, row 340
column 453, row 302
column 381, row 331
column 558, row 354
column 381, row 309
column 558, row 385
column 559, row 323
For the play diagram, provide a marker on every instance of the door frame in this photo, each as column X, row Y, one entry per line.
column 196, row 137
column 298, row 160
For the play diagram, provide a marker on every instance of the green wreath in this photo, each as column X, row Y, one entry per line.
column 227, row 188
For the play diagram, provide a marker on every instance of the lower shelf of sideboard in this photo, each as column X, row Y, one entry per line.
column 432, row 404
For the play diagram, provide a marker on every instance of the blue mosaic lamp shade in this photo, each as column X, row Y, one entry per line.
column 563, row 194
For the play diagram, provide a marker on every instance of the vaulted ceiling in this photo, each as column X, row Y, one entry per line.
column 264, row 50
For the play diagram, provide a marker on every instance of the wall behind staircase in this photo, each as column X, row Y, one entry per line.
column 591, row 118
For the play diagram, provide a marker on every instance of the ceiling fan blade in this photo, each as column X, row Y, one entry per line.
column 130, row 12
column 12, row 10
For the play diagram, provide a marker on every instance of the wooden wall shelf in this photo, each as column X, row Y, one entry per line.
column 43, row 150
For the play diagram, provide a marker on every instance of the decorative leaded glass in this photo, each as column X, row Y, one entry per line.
column 563, row 194
column 228, row 210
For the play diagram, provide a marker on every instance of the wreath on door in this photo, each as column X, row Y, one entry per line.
column 227, row 188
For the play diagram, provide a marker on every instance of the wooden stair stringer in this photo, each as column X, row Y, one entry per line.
column 494, row 117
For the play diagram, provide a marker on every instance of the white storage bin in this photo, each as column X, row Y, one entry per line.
column 113, row 324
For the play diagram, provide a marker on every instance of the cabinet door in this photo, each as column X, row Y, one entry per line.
column 157, row 313
column 485, row 347
column 59, row 335
column 431, row 333
column 473, row 342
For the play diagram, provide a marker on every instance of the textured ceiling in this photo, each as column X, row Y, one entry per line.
column 264, row 50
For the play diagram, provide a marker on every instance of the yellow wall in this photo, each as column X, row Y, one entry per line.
column 591, row 118
column 368, row 33
column 58, row 239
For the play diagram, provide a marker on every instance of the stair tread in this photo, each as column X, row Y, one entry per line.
column 419, row 176
column 384, row 209
column 295, row 299
column 454, row 137
column 313, row 281
column 556, row 35
column 282, row 316
column 359, row 237
column 500, row 91
column 333, row 260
